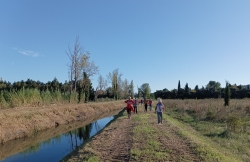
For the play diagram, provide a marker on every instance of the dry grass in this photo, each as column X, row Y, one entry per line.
column 20, row 122
column 227, row 126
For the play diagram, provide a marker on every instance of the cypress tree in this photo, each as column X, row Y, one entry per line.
column 227, row 95
column 179, row 86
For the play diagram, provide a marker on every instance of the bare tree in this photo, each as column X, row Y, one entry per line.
column 102, row 84
column 75, row 56
column 79, row 64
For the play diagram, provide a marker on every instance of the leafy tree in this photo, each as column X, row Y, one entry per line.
column 145, row 90
column 187, row 91
column 196, row 87
column 213, row 85
column 179, row 85
column 187, row 88
column 227, row 94
column 165, row 90
column 115, row 79
column 55, row 85
column 109, row 92
column 126, row 89
column 91, row 92
column 86, row 87
column 131, row 89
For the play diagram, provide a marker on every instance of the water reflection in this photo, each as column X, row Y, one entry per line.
column 52, row 149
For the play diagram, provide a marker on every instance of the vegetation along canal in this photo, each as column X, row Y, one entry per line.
column 54, row 144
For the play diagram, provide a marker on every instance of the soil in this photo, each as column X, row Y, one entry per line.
column 115, row 142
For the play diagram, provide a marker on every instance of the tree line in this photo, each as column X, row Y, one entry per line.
column 77, row 89
column 212, row 90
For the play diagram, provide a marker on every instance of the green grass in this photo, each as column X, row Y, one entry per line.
column 205, row 147
column 146, row 147
column 93, row 159
column 234, row 141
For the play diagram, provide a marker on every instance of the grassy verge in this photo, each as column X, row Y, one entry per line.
column 146, row 146
column 204, row 147
column 226, row 129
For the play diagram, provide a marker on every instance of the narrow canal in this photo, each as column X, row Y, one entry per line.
column 54, row 144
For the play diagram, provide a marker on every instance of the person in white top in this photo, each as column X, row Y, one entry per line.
column 159, row 110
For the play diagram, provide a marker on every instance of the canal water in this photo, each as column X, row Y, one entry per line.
column 52, row 145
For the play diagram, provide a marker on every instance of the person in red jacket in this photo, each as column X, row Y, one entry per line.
column 135, row 105
column 150, row 104
column 129, row 107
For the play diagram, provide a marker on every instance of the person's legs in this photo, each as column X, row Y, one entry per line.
column 146, row 107
column 159, row 117
column 129, row 113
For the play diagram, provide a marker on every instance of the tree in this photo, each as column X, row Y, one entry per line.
column 196, row 87
column 101, row 86
column 213, row 85
column 75, row 56
column 145, row 90
column 186, row 88
column 86, row 87
column 55, row 85
column 227, row 94
column 131, row 89
column 115, row 79
column 101, row 83
column 126, row 89
column 179, row 86
column 79, row 64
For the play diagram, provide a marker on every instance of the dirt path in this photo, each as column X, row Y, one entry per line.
column 136, row 139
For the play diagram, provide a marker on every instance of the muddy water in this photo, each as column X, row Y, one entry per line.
column 55, row 143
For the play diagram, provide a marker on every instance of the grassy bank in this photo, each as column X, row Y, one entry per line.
column 22, row 122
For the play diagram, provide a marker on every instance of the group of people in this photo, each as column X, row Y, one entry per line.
column 132, row 106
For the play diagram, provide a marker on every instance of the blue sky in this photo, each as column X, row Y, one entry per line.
column 156, row 42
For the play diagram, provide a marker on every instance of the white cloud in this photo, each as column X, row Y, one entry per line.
column 28, row 52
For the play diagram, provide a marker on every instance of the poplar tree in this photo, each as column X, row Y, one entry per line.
column 131, row 87
column 79, row 64
column 115, row 79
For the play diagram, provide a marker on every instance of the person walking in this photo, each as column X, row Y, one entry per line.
column 150, row 104
column 159, row 110
column 129, row 106
column 135, row 105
